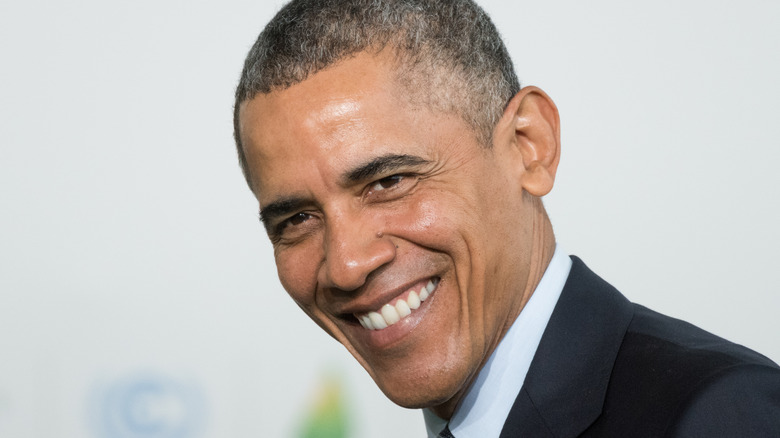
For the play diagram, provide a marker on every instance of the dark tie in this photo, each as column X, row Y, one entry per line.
column 446, row 433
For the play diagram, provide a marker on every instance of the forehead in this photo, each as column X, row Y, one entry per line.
column 335, row 119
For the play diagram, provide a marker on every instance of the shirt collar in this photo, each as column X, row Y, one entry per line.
column 487, row 403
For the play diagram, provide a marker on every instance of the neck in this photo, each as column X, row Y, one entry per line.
column 542, row 248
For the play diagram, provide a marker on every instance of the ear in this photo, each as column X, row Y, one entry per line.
column 530, row 127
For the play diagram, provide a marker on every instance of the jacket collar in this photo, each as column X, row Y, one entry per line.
column 564, row 390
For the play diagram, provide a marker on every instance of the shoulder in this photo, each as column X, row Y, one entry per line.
column 673, row 379
column 673, row 349
column 741, row 400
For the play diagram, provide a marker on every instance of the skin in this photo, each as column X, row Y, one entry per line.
column 365, row 196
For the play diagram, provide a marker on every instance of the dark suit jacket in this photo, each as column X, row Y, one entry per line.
column 608, row 368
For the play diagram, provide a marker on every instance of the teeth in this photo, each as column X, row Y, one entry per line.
column 403, row 308
column 413, row 300
column 390, row 314
column 377, row 321
column 423, row 294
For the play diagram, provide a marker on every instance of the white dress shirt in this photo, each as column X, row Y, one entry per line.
column 484, row 409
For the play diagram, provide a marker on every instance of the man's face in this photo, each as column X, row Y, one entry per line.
column 367, row 201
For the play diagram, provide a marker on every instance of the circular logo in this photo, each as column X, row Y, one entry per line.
column 150, row 406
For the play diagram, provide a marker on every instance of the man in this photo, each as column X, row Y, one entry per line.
column 399, row 169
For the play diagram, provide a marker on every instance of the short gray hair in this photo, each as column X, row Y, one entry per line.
column 448, row 47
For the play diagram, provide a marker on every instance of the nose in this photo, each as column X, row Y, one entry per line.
column 354, row 248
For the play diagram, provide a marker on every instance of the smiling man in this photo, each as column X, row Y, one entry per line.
column 399, row 169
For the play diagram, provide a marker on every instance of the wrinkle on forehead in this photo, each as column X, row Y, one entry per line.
column 339, row 109
column 336, row 125
column 334, row 120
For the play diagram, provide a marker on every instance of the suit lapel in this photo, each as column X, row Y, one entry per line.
column 564, row 390
column 525, row 420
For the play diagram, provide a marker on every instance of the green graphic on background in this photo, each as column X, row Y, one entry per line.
column 328, row 417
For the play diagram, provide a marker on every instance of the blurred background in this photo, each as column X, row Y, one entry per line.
column 138, row 296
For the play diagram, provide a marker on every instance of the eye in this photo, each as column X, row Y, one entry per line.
column 293, row 226
column 296, row 219
column 386, row 183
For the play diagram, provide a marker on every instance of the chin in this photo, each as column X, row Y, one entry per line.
column 422, row 390
column 416, row 399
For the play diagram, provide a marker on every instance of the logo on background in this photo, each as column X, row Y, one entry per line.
column 149, row 406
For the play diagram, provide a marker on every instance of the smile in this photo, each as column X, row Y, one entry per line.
column 392, row 313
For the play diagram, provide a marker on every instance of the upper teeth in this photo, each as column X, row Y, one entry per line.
column 390, row 314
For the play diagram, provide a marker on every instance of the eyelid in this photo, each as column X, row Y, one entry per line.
column 276, row 230
column 405, row 181
column 377, row 185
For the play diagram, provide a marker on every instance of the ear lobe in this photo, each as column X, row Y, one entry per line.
column 531, row 126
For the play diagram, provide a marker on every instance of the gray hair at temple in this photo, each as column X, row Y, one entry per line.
column 449, row 54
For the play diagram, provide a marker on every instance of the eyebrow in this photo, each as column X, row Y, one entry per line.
column 381, row 165
column 286, row 206
column 280, row 208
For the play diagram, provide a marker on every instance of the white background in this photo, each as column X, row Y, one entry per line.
column 129, row 245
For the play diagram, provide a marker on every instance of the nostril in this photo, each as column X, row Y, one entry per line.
column 350, row 260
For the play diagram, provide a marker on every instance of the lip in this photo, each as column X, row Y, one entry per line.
column 362, row 305
column 394, row 334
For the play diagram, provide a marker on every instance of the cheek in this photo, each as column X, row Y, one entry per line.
column 298, row 275
column 436, row 220
column 419, row 222
column 422, row 217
